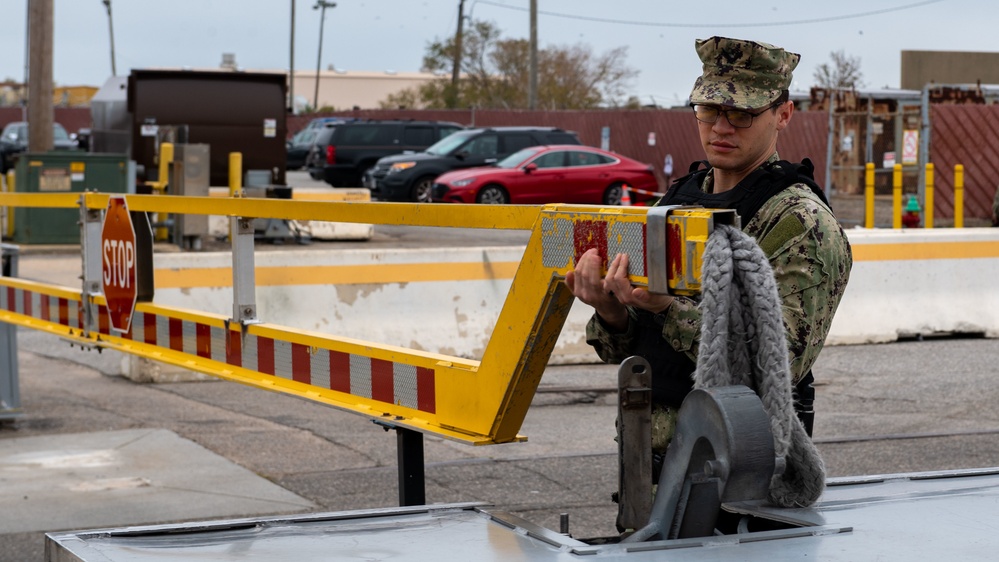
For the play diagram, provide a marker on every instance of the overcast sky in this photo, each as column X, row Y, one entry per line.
column 391, row 35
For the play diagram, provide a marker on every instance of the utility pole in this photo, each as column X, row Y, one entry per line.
column 532, row 88
column 40, row 112
column 320, row 5
column 107, row 4
column 456, row 70
column 291, row 64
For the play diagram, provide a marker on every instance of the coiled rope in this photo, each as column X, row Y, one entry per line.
column 743, row 342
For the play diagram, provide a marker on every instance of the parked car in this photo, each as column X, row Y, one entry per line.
column 550, row 174
column 14, row 140
column 298, row 148
column 411, row 177
column 354, row 147
column 315, row 160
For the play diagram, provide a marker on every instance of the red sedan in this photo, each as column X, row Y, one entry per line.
column 550, row 174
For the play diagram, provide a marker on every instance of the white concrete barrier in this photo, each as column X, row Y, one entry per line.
column 218, row 227
column 447, row 300
column 919, row 282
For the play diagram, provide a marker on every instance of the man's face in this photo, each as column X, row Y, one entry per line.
column 737, row 149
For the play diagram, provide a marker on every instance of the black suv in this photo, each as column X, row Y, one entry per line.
column 342, row 155
column 410, row 177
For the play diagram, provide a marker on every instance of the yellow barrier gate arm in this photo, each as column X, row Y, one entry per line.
column 478, row 402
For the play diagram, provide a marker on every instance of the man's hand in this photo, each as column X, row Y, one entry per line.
column 611, row 295
column 587, row 283
column 618, row 284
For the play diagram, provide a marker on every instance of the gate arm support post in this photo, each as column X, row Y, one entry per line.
column 10, row 393
column 91, row 222
column 244, row 297
column 412, row 477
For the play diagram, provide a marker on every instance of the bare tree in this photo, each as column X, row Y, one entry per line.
column 842, row 72
column 496, row 74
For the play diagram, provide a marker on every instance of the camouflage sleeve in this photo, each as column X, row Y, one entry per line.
column 811, row 260
column 611, row 346
column 682, row 328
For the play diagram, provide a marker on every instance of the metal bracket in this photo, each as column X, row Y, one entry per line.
column 244, row 297
column 634, row 442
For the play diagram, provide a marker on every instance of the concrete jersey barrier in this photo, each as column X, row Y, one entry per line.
column 447, row 300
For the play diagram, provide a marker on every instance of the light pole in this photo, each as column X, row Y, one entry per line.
column 107, row 4
column 320, row 5
column 291, row 73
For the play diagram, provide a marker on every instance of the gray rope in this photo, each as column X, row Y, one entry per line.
column 743, row 342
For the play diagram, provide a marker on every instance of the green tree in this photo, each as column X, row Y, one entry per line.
column 842, row 72
column 496, row 73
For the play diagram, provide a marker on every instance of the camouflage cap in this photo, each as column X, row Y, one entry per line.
column 742, row 74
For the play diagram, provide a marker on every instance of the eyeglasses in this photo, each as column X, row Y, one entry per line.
column 738, row 118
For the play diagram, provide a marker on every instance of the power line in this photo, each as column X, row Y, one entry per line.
column 716, row 25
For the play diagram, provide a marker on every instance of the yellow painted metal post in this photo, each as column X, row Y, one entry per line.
column 959, row 196
column 869, row 195
column 896, row 197
column 235, row 173
column 166, row 158
column 928, row 217
column 162, row 180
column 10, row 210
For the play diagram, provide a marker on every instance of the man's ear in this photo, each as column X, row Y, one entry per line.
column 784, row 113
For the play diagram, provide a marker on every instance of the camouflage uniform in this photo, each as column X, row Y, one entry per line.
column 806, row 246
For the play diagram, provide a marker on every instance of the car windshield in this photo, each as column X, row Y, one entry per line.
column 519, row 157
column 19, row 131
column 447, row 144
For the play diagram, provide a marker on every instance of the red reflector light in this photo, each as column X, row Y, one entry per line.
column 330, row 154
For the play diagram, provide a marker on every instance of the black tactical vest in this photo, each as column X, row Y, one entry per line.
column 671, row 369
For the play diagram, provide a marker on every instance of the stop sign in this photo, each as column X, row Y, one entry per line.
column 118, row 263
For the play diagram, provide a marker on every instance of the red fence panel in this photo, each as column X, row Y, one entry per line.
column 966, row 135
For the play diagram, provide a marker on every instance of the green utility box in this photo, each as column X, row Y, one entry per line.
column 63, row 172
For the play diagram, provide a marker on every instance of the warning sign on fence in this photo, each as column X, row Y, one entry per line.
column 910, row 146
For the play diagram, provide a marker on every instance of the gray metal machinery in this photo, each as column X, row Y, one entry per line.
column 10, row 395
column 190, row 177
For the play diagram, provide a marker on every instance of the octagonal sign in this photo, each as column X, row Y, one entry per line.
column 118, row 263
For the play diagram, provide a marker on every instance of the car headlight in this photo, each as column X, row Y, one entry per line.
column 400, row 166
column 462, row 183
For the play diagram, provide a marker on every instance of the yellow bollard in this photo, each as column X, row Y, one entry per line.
column 869, row 195
column 896, row 191
column 166, row 158
column 959, row 196
column 928, row 213
column 160, row 187
column 10, row 210
column 235, row 173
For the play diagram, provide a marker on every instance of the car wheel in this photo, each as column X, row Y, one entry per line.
column 422, row 191
column 364, row 173
column 315, row 174
column 492, row 195
column 613, row 193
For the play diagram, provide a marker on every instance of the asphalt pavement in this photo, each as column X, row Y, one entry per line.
column 908, row 406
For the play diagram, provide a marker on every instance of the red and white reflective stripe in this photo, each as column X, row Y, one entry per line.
column 375, row 379
column 366, row 377
column 58, row 310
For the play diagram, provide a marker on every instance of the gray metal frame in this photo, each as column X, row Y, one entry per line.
column 10, row 393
